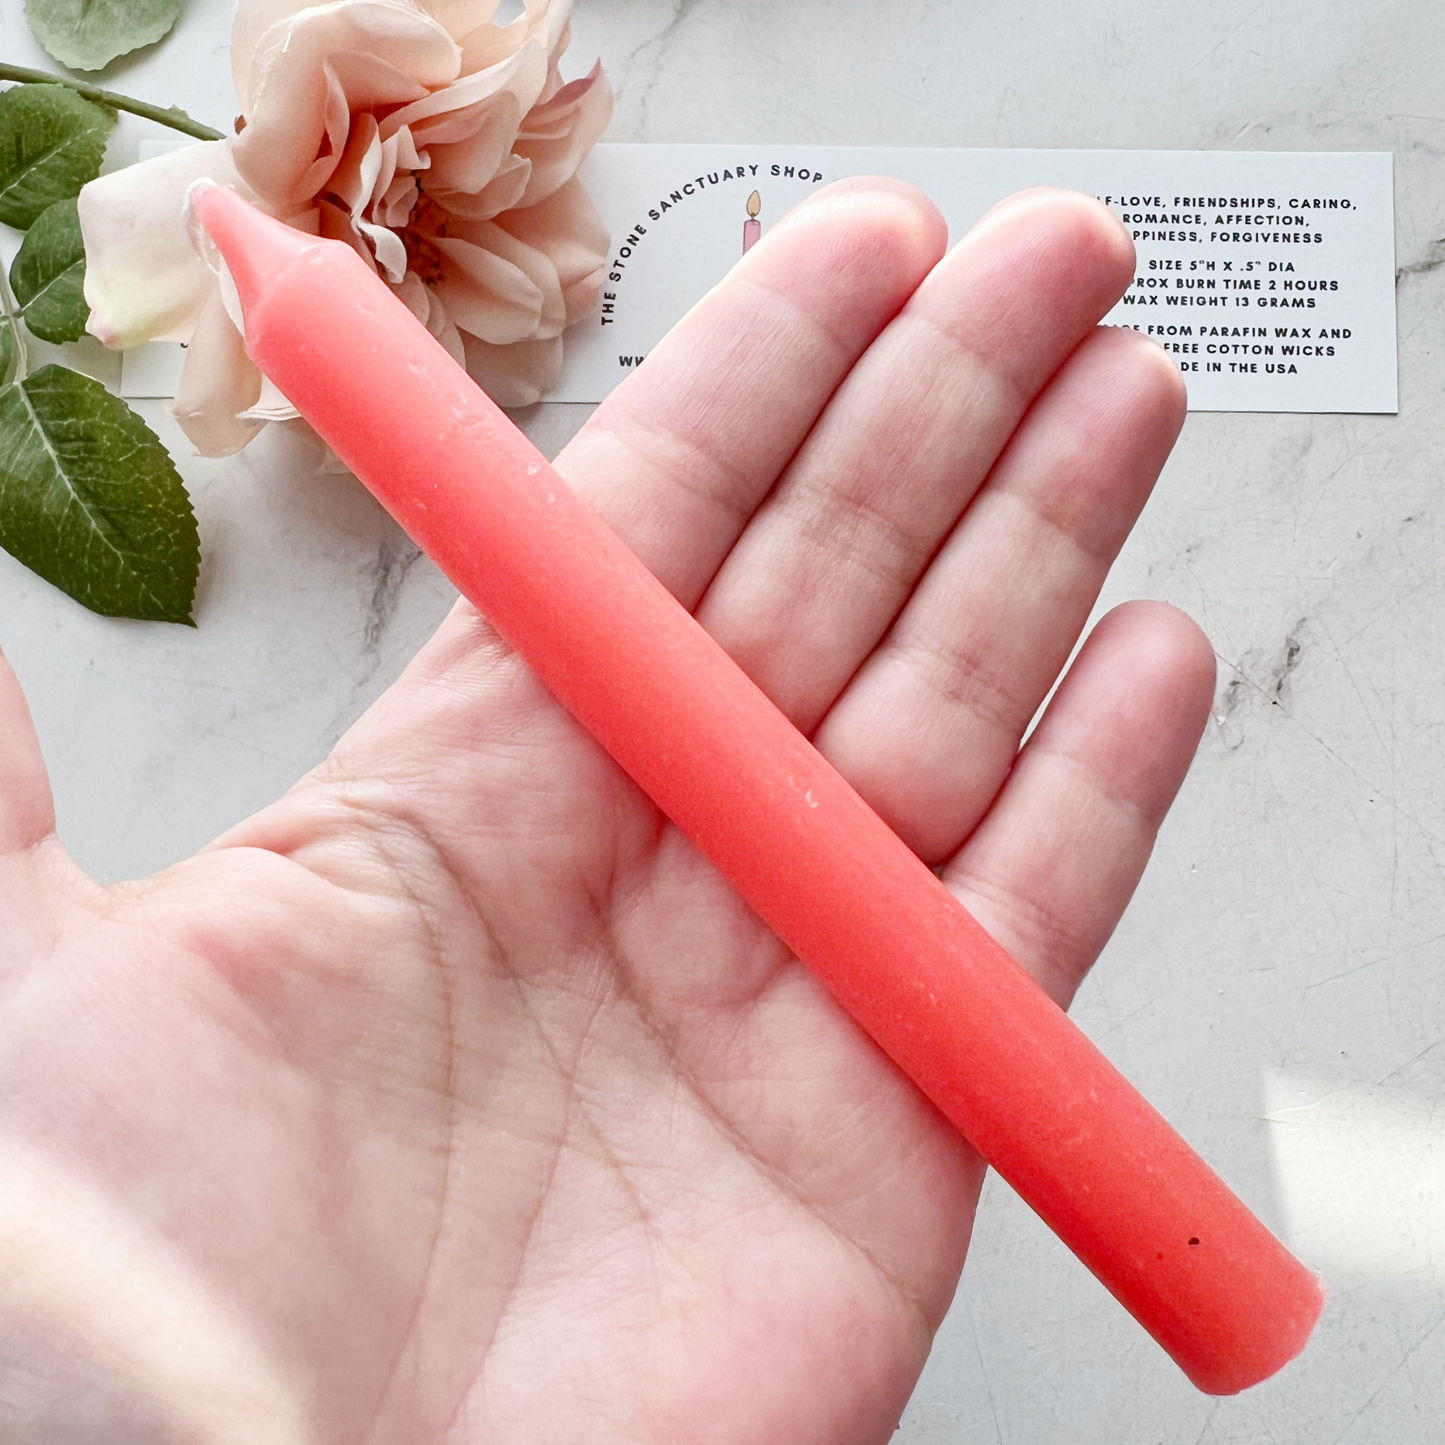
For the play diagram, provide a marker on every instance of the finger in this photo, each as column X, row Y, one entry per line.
column 677, row 458
column 928, row 728
column 27, row 812
column 1050, row 869
column 906, row 442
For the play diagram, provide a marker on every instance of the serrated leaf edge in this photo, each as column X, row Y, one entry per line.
column 100, row 523
column 147, row 36
column 55, row 149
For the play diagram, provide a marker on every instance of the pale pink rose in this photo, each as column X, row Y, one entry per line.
column 439, row 145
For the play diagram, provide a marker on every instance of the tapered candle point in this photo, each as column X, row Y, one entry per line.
column 255, row 246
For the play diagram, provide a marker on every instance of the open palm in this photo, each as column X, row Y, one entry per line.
column 454, row 1097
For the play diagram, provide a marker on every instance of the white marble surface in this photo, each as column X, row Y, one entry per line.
column 1276, row 988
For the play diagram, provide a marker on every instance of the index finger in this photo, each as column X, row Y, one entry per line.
column 679, row 456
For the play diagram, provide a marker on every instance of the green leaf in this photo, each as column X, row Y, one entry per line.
column 48, row 275
column 51, row 142
column 88, row 34
column 11, row 354
column 90, row 499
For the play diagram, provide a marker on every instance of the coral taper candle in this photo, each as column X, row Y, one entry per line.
column 895, row 948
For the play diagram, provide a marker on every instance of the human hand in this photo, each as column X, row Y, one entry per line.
column 454, row 1098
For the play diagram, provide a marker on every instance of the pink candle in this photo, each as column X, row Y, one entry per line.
column 752, row 227
column 1000, row 1060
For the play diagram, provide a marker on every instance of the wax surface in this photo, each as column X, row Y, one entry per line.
column 992, row 1051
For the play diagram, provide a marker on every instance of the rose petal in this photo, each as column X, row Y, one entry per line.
column 335, row 225
column 522, row 74
column 497, row 287
column 359, row 168
column 248, row 24
column 308, row 220
column 143, row 279
column 408, row 157
column 395, row 207
column 396, row 153
column 485, row 294
column 218, row 382
column 555, row 136
column 458, row 17
column 413, row 295
column 557, row 17
column 554, row 57
column 501, row 193
column 484, row 45
column 583, row 297
column 253, row 18
column 270, row 405
column 516, row 375
column 444, row 329
column 489, row 45
column 568, row 230
column 354, row 183
column 468, row 163
column 307, row 70
column 389, row 248
column 429, row 310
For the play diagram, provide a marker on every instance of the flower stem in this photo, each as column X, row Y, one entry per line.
column 172, row 116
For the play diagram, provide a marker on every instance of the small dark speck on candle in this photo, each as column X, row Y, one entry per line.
column 1194, row 1239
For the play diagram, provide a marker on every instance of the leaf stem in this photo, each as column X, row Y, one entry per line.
column 172, row 116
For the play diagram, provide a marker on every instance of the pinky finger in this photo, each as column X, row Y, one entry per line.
column 1056, row 859
column 27, row 812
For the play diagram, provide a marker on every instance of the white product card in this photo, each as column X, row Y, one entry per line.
column 1268, row 277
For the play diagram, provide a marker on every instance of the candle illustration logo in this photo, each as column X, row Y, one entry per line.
column 752, row 227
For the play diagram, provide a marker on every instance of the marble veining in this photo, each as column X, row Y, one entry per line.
column 396, row 555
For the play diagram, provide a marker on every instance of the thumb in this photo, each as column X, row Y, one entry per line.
column 27, row 811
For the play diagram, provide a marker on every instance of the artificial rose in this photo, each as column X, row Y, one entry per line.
column 439, row 145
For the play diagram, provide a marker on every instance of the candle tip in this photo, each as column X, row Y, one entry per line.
column 255, row 246
column 755, row 204
column 196, row 233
